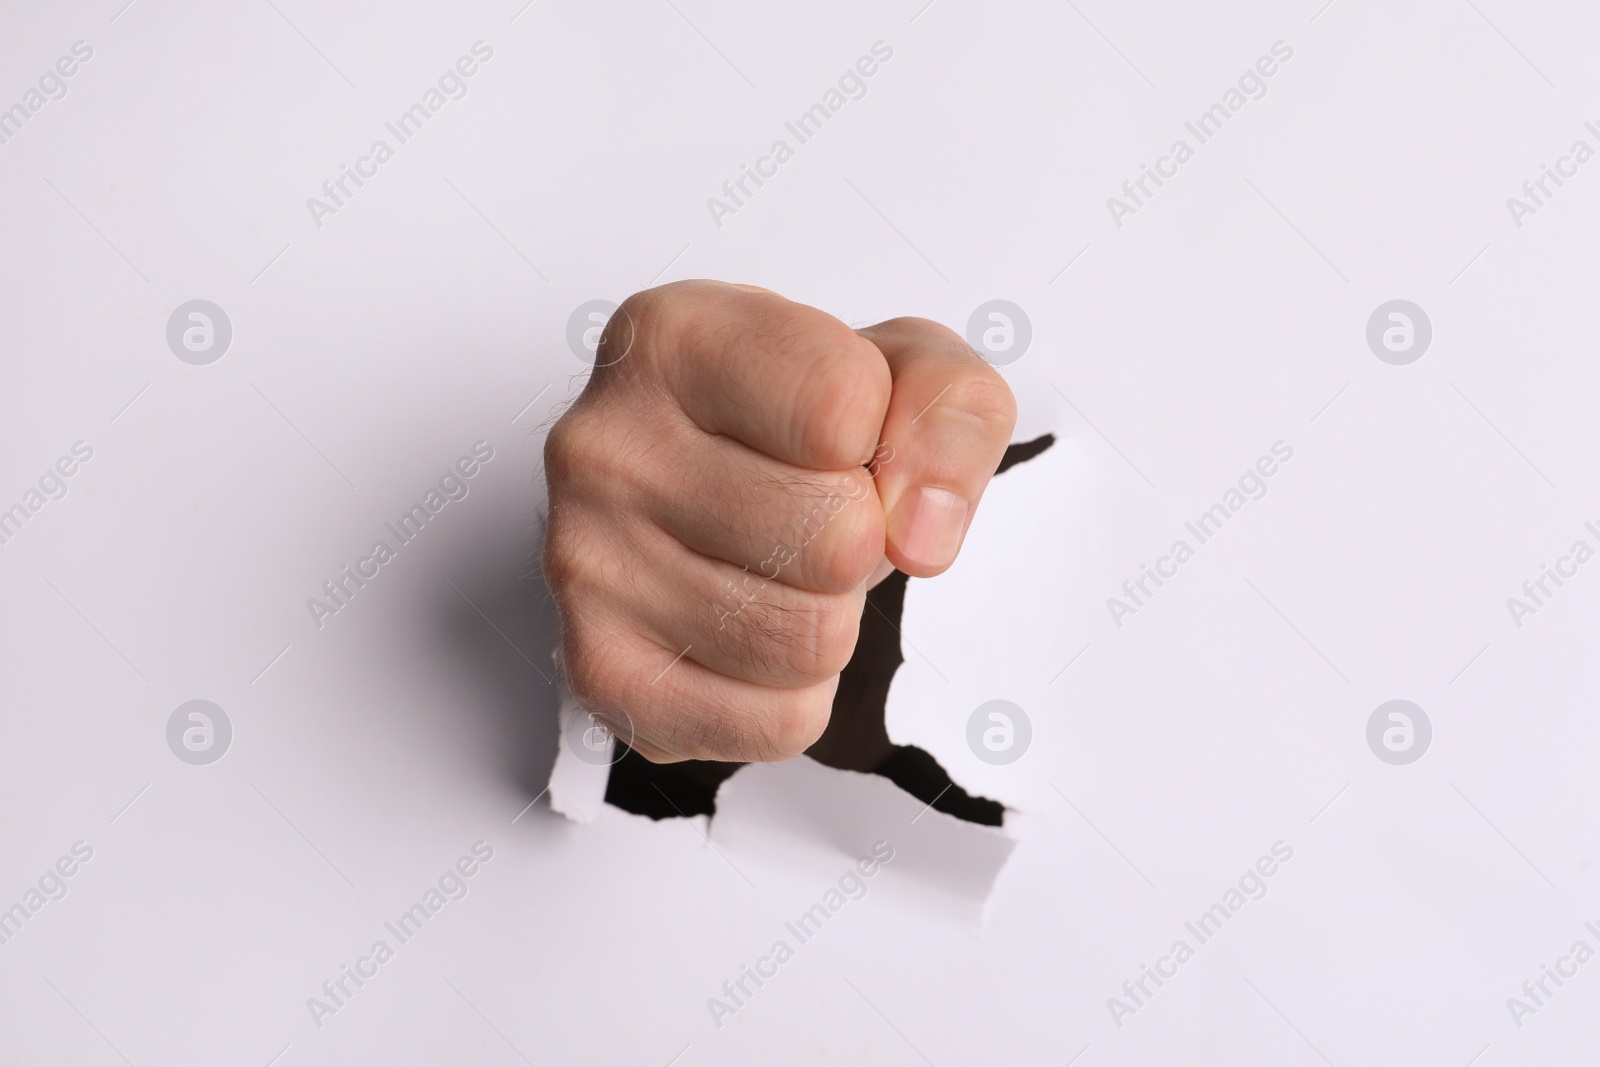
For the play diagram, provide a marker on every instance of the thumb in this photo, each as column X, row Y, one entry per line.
column 949, row 420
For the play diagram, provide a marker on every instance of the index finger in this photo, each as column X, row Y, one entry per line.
column 784, row 378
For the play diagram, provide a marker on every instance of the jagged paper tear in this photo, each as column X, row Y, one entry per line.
column 583, row 767
column 773, row 810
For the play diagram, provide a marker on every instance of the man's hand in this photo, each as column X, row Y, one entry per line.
column 738, row 471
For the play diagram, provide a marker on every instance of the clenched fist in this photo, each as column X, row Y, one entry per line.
column 738, row 471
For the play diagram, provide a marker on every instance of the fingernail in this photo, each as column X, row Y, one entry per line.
column 928, row 526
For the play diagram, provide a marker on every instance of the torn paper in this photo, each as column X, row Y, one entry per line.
column 583, row 759
column 776, row 811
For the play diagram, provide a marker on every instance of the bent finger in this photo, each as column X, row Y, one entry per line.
column 949, row 419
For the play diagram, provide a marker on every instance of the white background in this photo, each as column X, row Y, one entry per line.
column 1168, row 354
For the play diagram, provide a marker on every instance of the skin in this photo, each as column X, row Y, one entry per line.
column 739, row 470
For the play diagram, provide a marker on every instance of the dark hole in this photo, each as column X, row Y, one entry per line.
column 856, row 738
column 666, row 790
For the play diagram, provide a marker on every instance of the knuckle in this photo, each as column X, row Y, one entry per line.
column 583, row 665
column 559, row 556
column 567, row 450
column 926, row 330
column 557, row 561
column 576, row 567
column 587, row 685
column 647, row 306
column 705, row 735
column 985, row 398
column 843, row 406
column 607, row 450
column 806, row 636
column 795, row 721
column 833, row 638
column 852, row 547
column 676, row 310
column 783, row 724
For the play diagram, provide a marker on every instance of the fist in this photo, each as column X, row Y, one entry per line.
column 739, row 470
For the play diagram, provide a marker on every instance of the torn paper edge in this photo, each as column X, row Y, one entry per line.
column 778, row 811
column 583, row 765
column 775, row 810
